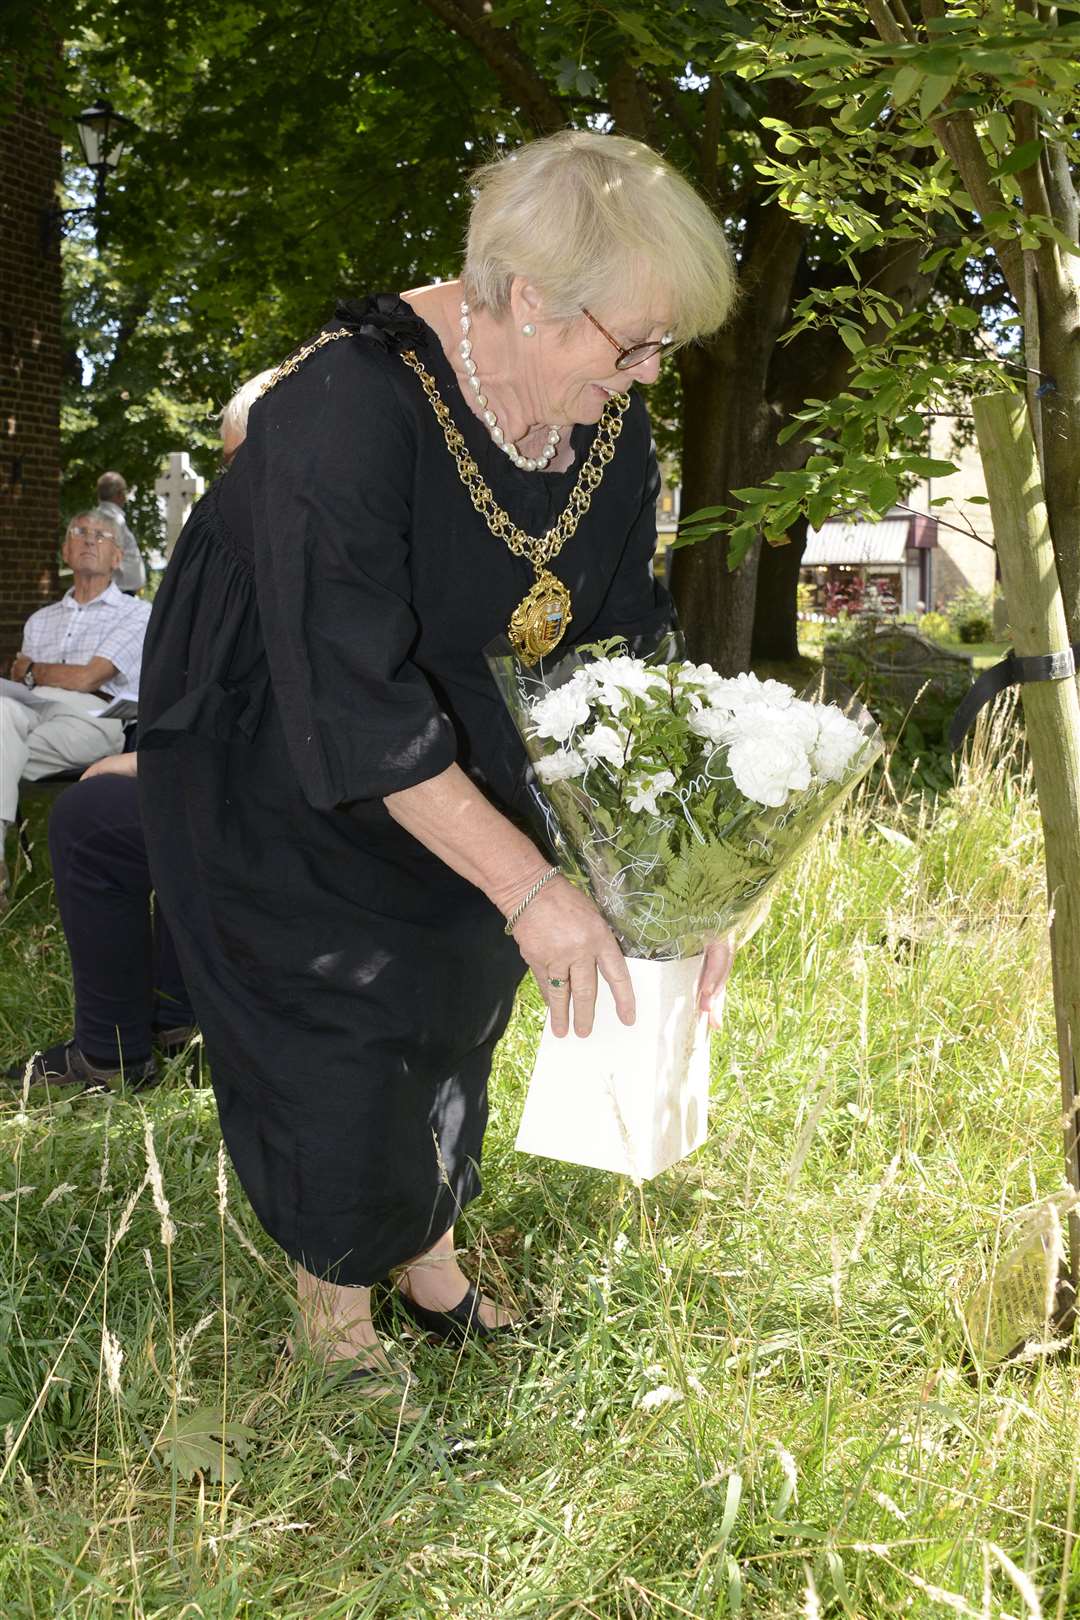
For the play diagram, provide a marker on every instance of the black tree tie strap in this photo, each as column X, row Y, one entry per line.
column 1011, row 671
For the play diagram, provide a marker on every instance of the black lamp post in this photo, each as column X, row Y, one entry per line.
column 104, row 135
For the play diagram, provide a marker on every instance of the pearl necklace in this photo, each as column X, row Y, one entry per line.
column 491, row 421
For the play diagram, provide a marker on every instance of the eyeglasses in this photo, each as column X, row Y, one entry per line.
column 627, row 359
column 100, row 537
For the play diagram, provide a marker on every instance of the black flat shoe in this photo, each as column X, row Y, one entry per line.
column 459, row 1323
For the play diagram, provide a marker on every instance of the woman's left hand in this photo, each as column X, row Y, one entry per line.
column 719, row 955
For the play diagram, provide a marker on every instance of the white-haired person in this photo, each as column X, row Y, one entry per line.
column 112, row 494
column 234, row 416
column 77, row 655
column 332, row 791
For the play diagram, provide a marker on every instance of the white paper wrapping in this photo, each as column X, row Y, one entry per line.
column 630, row 1098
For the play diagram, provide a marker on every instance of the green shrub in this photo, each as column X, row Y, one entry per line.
column 971, row 616
column 935, row 627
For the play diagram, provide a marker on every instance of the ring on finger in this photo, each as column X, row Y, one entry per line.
column 558, row 984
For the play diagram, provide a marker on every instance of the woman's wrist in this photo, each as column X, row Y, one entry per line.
column 508, row 893
column 515, row 916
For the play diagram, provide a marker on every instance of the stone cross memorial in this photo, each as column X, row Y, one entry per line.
column 177, row 490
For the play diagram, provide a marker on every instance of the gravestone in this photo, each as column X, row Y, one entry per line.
column 177, row 490
column 896, row 659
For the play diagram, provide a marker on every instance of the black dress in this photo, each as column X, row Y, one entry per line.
column 315, row 645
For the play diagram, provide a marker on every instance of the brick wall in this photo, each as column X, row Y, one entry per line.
column 30, row 371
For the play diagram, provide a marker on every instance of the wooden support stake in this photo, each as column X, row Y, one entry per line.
column 1051, row 715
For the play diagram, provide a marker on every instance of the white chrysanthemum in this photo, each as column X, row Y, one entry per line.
column 604, row 742
column 796, row 724
column 616, row 680
column 644, row 792
column 716, row 725
column 556, row 714
column 839, row 742
column 736, row 691
column 768, row 769
column 558, row 767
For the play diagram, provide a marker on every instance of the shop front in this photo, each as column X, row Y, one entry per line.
column 884, row 567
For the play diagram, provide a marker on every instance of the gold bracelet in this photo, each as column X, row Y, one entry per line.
column 515, row 916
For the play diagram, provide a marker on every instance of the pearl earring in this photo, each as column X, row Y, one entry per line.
column 529, row 329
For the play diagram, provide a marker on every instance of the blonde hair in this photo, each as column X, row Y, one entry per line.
column 599, row 221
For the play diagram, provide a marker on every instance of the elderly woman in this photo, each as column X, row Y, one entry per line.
column 333, row 793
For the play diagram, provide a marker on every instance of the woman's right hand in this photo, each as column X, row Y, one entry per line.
column 564, row 939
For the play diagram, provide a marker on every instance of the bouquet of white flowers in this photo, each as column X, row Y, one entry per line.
column 677, row 797
column 676, row 794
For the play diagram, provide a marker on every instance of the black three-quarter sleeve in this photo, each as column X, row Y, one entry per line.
column 333, row 458
column 637, row 606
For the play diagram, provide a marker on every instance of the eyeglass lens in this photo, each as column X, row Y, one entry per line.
column 99, row 536
column 633, row 357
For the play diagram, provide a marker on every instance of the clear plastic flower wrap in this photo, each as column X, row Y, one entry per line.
column 676, row 796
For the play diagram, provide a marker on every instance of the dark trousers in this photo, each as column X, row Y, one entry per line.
column 127, row 979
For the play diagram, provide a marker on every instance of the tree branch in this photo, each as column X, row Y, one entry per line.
column 773, row 247
column 628, row 106
column 888, row 27
column 955, row 129
column 1064, row 201
column 511, row 67
column 668, row 98
column 710, row 134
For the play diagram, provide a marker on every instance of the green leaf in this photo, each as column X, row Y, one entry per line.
column 788, row 144
column 882, row 492
column 928, row 467
column 818, row 508
column 961, row 315
column 202, row 1442
column 705, row 513
column 870, row 109
column 852, row 339
column 1022, row 158
column 999, row 131
column 934, row 91
column 905, row 84
column 740, row 544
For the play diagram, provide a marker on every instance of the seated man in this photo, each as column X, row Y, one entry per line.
column 77, row 655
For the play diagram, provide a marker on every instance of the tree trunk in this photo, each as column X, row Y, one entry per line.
column 1051, row 716
column 1059, row 362
column 776, row 628
column 724, row 444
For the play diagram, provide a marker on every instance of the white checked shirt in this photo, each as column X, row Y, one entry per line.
column 112, row 626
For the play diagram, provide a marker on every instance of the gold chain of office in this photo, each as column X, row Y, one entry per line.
column 541, row 618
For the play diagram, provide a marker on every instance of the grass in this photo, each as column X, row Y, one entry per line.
column 745, row 1394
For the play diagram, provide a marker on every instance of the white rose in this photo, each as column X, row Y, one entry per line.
column 604, row 742
column 839, row 742
column 767, row 769
column 643, row 793
column 559, row 766
column 557, row 713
